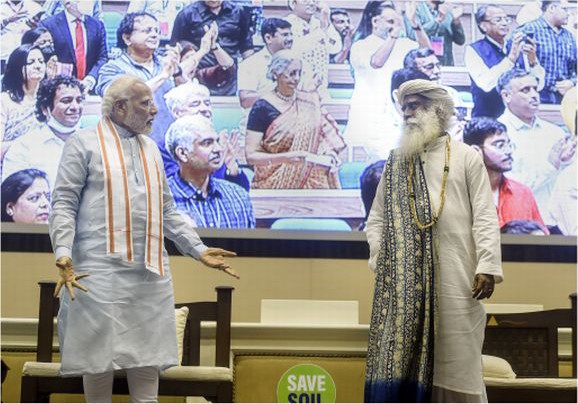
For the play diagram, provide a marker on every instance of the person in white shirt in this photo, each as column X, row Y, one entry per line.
column 252, row 81
column 373, row 122
column 491, row 56
column 59, row 106
column 542, row 148
column 434, row 244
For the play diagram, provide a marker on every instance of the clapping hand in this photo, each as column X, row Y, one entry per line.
column 215, row 258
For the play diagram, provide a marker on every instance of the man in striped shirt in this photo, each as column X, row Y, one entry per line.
column 213, row 203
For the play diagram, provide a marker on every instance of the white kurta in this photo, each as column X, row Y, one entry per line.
column 127, row 318
column 373, row 121
column 469, row 244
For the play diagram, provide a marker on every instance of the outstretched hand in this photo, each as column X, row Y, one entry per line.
column 215, row 258
column 67, row 277
column 483, row 286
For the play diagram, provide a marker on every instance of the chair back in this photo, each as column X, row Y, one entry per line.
column 529, row 341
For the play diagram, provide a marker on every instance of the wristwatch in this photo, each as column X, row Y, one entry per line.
column 418, row 28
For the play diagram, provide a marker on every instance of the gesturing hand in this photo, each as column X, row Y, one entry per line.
column 483, row 286
column 215, row 258
column 67, row 277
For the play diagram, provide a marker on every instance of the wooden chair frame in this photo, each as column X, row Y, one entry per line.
column 39, row 388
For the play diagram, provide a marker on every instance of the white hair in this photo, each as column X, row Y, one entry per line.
column 118, row 90
column 280, row 61
column 178, row 96
column 184, row 131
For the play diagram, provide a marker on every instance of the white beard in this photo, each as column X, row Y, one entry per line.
column 418, row 132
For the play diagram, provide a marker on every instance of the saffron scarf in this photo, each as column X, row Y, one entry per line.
column 305, row 126
column 119, row 242
column 401, row 336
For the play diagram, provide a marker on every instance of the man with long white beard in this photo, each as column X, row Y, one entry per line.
column 435, row 248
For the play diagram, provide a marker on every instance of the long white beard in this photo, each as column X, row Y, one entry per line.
column 418, row 132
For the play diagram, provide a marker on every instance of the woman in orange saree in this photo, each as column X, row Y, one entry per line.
column 292, row 141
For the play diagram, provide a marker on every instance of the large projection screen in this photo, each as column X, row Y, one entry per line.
column 351, row 124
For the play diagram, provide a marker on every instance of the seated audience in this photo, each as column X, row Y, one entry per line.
column 79, row 39
column 543, row 149
column 563, row 204
column 211, row 202
column 138, row 37
column 292, row 141
column 59, row 105
column 368, row 183
column 42, row 38
column 24, row 71
column 191, row 99
column 253, row 81
column 16, row 17
column 341, row 36
column 523, row 227
column 214, row 76
column 557, row 50
column 26, row 197
column 489, row 57
column 443, row 27
column 513, row 200
column 234, row 34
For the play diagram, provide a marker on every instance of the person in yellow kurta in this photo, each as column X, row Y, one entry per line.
column 434, row 245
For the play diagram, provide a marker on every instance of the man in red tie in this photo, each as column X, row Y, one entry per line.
column 79, row 39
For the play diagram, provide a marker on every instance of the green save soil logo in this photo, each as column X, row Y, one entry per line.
column 306, row 384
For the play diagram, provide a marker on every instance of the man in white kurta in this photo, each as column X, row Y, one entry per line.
column 466, row 251
column 373, row 122
column 126, row 319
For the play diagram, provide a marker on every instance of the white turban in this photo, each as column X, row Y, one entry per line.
column 425, row 88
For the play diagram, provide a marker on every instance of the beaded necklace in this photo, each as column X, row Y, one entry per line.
column 435, row 215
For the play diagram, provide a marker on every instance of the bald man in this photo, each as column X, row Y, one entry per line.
column 434, row 245
column 111, row 208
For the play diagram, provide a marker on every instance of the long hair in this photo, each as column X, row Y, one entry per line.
column 15, row 185
column 15, row 78
column 372, row 9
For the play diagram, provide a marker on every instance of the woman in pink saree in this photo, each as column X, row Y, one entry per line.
column 292, row 141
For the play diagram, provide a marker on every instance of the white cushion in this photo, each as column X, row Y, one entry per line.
column 548, row 383
column 181, row 315
column 198, row 373
column 41, row 369
column 497, row 367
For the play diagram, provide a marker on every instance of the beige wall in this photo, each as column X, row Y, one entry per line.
column 268, row 278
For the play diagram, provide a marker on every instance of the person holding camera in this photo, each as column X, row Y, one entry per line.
column 492, row 56
column 557, row 50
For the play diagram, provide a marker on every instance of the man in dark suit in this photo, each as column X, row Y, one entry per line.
column 78, row 39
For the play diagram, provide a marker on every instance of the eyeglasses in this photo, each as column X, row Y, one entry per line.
column 497, row 20
column 148, row 30
column 503, row 146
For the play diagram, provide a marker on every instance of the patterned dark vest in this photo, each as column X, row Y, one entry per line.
column 487, row 104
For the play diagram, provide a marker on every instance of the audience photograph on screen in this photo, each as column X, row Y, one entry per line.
column 281, row 114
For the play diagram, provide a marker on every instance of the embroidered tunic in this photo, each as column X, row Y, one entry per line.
column 469, row 243
column 127, row 318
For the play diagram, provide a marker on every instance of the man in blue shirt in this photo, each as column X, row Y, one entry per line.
column 557, row 50
column 215, row 203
